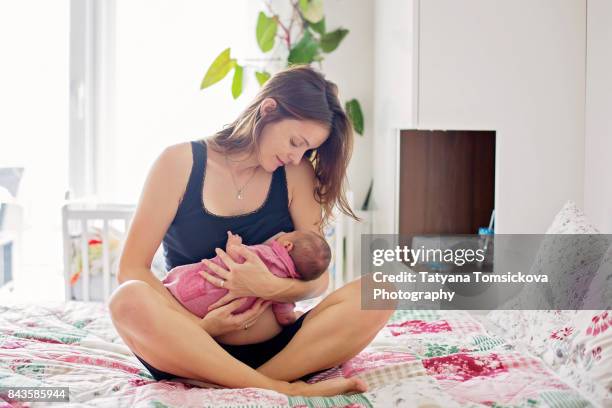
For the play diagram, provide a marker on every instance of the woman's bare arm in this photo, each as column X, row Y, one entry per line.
column 306, row 215
column 159, row 200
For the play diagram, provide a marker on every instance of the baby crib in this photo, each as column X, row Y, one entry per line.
column 94, row 234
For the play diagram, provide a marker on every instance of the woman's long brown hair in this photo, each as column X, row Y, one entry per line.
column 300, row 93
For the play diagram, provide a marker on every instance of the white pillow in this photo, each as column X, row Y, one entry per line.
column 570, row 255
column 600, row 291
column 571, row 220
column 531, row 329
column 581, row 352
column 581, row 260
column 571, row 263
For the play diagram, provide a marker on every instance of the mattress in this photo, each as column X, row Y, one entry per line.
column 419, row 359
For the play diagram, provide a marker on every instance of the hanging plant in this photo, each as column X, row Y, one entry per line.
column 304, row 37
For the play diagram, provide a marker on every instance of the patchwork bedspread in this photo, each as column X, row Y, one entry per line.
column 420, row 359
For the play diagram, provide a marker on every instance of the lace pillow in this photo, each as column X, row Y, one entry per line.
column 531, row 329
column 581, row 352
column 600, row 291
column 571, row 220
column 574, row 261
column 571, row 263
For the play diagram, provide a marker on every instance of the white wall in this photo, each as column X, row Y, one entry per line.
column 393, row 101
column 598, row 139
column 517, row 67
column 351, row 67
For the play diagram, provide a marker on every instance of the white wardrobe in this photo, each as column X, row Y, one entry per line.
column 524, row 68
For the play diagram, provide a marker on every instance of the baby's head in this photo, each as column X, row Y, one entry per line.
column 309, row 251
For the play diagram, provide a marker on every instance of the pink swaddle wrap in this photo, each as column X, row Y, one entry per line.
column 195, row 293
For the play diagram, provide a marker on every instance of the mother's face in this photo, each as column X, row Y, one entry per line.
column 286, row 141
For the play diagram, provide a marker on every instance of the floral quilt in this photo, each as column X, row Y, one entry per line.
column 420, row 359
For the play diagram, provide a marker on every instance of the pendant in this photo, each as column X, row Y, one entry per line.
column 239, row 195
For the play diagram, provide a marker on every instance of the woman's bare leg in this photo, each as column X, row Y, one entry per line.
column 170, row 342
column 332, row 333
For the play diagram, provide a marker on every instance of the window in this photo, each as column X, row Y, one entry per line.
column 92, row 91
column 34, row 75
column 162, row 51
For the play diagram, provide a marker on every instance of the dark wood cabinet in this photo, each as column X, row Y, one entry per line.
column 447, row 181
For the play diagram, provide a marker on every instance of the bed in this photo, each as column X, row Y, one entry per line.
column 421, row 359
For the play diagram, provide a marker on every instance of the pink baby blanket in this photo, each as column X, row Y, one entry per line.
column 194, row 292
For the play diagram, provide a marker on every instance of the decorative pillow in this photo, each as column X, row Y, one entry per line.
column 581, row 352
column 571, row 263
column 531, row 329
column 574, row 260
column 600, row 292
column 571, row 220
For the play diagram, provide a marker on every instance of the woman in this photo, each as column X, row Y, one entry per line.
column 250, row 179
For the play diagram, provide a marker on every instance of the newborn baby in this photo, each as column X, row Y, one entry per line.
column 297, row 254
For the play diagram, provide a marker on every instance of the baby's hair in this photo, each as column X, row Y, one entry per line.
column 311, row 255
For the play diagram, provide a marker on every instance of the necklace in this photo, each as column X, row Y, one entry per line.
column 239, row 191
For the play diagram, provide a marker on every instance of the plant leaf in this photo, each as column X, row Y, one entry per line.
column 266, row 31
column 304, row 51
column 353, row 110
column 319, row 27
column 218, row 69
column 237, row 81
column 312, row 10
column 262, row 77
column 331, row 40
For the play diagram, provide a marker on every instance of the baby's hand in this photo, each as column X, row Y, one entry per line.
column 233, row 239
column 285, row 319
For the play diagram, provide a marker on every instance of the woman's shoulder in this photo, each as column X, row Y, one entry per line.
column 300, row 178
column 176, row 161
column 179, row 149
column 177, row 156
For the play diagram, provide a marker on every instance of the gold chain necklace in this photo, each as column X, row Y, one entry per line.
column 239, row 191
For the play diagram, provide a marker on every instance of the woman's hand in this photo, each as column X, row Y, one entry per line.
column 221, row 320
column 251, row 278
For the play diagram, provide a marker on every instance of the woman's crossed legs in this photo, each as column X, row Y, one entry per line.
column 332, row 333
column 170, row 342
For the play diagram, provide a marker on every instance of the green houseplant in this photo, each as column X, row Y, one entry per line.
column 305, row 38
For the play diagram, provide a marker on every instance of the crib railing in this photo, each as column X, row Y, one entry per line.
column 347, row 245
column 81, row 226
column 81, row 217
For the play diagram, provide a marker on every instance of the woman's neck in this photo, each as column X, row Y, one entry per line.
column 242, row 162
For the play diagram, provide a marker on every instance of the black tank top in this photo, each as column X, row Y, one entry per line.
column 194, row 233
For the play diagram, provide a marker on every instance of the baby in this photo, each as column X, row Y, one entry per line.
column 297, row 254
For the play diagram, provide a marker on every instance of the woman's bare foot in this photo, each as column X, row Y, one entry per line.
column 327, row 388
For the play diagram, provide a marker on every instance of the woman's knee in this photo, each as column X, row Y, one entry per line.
column 374, row 319
column 129, row 302
column 389, row 305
